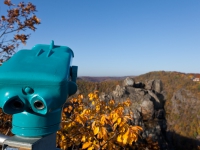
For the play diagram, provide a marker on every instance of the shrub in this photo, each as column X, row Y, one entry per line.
column 95, row 124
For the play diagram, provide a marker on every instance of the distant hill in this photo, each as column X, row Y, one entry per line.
column 101, row 79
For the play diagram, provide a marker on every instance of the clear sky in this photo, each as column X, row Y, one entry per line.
column 122, row 37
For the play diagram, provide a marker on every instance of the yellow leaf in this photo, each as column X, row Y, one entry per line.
column 125, row 137
column 127, row 102
column 103, row 119
column 136, row 128
column 91, row 96
column 63, row 137
column 93, row 103
column 127, row 117
column 80, row 96
column 112, row 102
column 119, row 120
column 125, row 140
column 119, row 138
column 122, row 124
column 93, row 125
column 115, row 126
column 90, row 148
column 83, row 139
column 79, row 120
column 130, row 141
column 96, row 130
column 84, row 111
column 104, row 133
column 123, row 129
column 86, row 145
column 97, row 108
column 99, row 135
column 114, row 117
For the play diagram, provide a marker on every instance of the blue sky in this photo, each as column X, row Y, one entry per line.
column 121, row 38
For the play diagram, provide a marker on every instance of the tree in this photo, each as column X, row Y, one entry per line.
column 15, row 24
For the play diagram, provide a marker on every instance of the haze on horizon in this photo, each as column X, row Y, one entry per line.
column 122, row 38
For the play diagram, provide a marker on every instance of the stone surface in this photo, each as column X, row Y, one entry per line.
column 147, row 105
column 119, row 91
column 147, row 110
column 128, row 82
column 154, row 85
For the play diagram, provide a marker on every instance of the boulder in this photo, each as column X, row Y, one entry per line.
column 149, row 84
column 147, row 110
column 128, row 82
column 154, row 85
column 157, row 87
column 155, row 100
column 119, row 91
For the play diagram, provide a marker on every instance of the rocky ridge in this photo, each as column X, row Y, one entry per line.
column 147, row 105
column 174, row 125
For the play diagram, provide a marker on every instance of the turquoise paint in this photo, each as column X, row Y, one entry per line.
column 34, row 85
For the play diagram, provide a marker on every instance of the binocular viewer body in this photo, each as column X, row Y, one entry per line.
column 34, row 85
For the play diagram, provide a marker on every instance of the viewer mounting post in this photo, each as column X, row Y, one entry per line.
column 34, row 85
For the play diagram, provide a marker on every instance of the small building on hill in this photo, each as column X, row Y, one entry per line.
column 196, row 79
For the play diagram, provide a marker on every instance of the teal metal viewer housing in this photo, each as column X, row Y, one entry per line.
column 34, row 85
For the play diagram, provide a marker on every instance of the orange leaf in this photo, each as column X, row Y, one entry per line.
column 90, row 148
column 86, row 145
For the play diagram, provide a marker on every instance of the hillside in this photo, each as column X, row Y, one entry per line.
column 182, row 105
column 85, row 87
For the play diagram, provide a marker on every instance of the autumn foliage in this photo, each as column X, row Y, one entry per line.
column 5, row 123
column 95, row 124
column 18, row 20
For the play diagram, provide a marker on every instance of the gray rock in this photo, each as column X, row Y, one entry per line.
column 156, row 101
column 119, row 91
column 102, row 96
column 128, row 82
column 154, row 85
column 147, row 109
column 158, row 86
column 149, row 84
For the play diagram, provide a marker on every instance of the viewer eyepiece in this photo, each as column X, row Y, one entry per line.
column 39, row 104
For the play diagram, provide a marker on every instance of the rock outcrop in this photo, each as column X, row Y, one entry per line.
column 147, row 106
column 154, row 85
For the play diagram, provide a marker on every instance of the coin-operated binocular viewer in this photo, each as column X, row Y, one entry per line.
column 34, row 85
